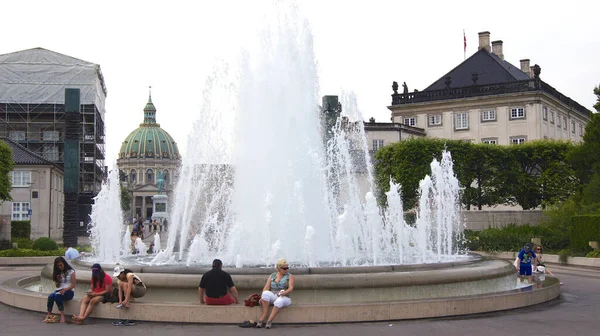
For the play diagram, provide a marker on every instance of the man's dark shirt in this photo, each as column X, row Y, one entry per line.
column 216, row 283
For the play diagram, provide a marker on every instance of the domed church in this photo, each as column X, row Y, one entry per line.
column 146, row 153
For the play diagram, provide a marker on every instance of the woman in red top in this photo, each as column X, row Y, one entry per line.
column 100, row 285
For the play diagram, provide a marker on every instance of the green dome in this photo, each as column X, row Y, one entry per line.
column 149, row 140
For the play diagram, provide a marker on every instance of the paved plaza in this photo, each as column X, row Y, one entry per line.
column 577, row 311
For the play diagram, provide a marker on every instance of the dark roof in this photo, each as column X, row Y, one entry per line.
column 488, row 66
column 23, row 156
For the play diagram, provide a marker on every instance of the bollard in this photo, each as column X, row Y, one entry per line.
column 594, row 245
column 15, row 245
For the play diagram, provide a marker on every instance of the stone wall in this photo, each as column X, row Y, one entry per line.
column 484, row 219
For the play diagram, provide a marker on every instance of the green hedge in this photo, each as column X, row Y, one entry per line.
column 5, row 244
column 20, row 229
column 45, row 244
column 31, row 253
column 584, row 228
column 513, row 238
column 23, row 243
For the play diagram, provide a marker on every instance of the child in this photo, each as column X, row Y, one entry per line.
column 526, row 257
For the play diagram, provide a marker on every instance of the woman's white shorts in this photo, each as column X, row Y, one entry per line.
column 272, row 298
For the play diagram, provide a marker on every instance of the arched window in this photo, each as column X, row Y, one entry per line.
column 149, row 175
column 133, row 176
column 166, row 176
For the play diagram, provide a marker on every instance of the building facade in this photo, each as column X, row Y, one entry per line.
column 380, row 134
column 37, row 193
column 145, row 153
column 32, row 112
column 485, row 99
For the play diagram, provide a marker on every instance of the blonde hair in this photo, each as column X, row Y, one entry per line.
column 281, row 262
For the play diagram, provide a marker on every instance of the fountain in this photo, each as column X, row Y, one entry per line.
column 259, row 182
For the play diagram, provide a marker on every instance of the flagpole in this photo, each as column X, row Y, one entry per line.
column 464, row 45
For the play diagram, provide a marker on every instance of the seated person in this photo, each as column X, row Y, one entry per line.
column 65, row 280
column 71, row 253
column 130, row 285
column 276, row 292
column 100, row 285
column 216, row 283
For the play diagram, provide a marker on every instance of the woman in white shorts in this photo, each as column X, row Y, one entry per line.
column 276, row 292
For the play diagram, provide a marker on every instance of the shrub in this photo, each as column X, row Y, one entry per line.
column 593, row 254
column 584, row 228
column 513, row 238
column 31, row 253
column 5, row 244
column 24, row 243
column 44, row 244
column 20, row 229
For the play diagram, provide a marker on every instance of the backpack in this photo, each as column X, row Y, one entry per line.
column 252, row 300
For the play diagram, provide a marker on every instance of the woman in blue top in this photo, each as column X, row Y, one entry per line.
column 276, row 292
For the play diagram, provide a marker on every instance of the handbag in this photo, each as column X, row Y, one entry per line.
column 252, row 300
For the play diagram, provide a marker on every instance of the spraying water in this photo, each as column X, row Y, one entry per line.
column 259, row 180
column 106, row 227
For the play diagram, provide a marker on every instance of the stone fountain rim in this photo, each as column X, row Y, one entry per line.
column 473, row 258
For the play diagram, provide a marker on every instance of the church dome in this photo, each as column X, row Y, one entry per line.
column 149, row 140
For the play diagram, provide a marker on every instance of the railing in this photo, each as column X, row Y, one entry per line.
column 487, row 90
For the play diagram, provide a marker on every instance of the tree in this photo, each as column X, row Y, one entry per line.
column 540, row 174
column 6, row 166
column 125, row 199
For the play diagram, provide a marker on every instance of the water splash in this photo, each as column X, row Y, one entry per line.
column 106, row 226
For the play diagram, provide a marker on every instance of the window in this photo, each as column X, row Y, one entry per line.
column 21, row 178
column 544, row 113
column 580, row 130
column 377, row 143
column 16, row 135
column 490, row 141
column 564, row 122
column 133, row 176
column 489, row 115
column 51, row 153
column 20, row 211
column 517, row 113
column 552, row 117
column 150, row 175
column 558, row 120
column 410, row 121
column 434, row 120
column 461, row 121
column 50, row 136
column 573, row 127
column 517, row 140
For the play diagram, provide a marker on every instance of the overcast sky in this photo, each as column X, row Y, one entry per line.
column 360, row 46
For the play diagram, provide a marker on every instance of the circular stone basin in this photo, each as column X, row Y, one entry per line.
column 321, row 295
column 327, row 284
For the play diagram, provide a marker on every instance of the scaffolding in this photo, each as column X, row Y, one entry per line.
column 41, row 129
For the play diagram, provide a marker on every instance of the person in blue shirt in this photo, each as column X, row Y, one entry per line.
column 71, row 253
column 526, row 258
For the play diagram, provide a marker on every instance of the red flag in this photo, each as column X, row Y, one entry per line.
column 465, row 41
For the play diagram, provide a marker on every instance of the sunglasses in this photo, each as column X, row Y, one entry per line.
column 95, row 269
column 285, row 268
column 538, row 249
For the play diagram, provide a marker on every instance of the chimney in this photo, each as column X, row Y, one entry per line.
column 530, row 73
column 525, row 66
column 484, row 40
column 497, row 49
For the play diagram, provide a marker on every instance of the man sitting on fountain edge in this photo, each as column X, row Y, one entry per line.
column 216, row 283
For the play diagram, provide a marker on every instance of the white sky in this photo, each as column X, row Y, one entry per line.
column 360, row 46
